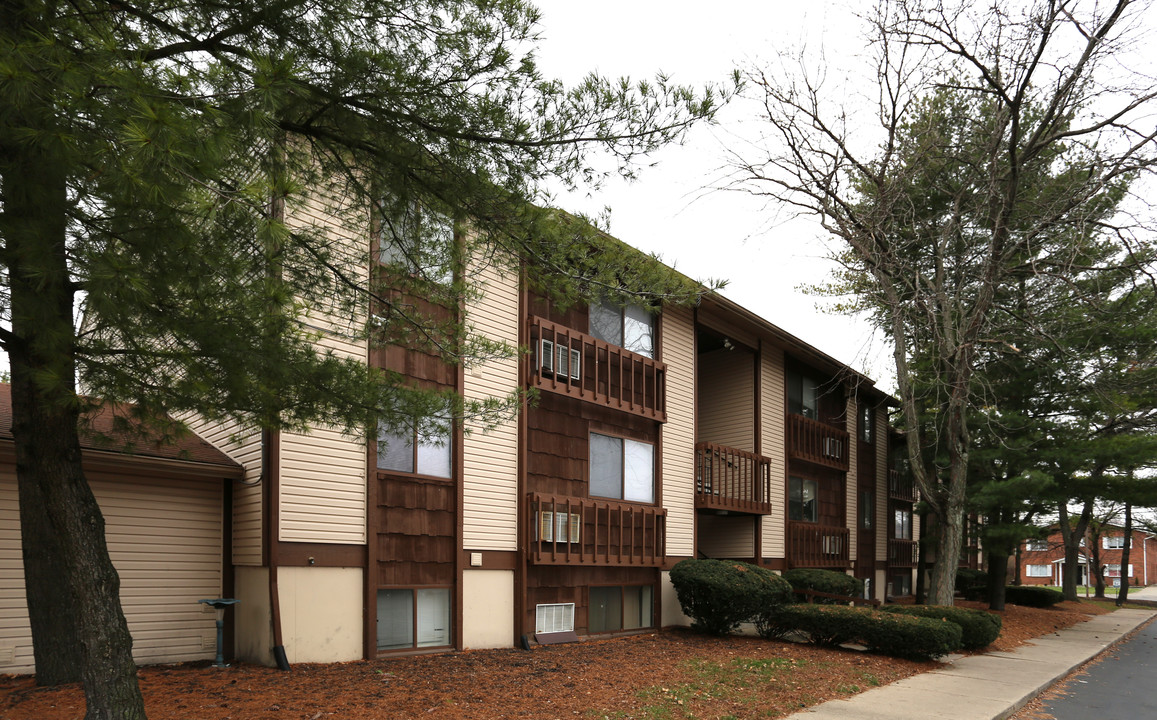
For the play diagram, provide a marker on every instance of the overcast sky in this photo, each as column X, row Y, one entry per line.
column 705, row 234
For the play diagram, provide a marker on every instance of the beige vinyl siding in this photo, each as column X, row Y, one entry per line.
column 164, row 537
column 244, row 447
column 727, row 536
column 882, row 484
column 852, row 503
column 678, row 462
column 490, row 459
column 726, row 401
column 322, row 472
column 773, row 414
column 322, row 488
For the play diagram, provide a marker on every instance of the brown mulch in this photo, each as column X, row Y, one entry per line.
column 672, row 673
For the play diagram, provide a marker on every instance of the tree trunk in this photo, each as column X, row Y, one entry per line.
column 56, row 502
column 1095, row 567
column 997, row 579
column 1072, row 534
column 1123, row 594
column 922, row 560
column 942, row 586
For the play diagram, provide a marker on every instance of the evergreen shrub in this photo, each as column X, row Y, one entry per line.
column 1032, row 596
column 980, row 628
column 885, row 633
column 828, row 581
column 972, row 584
column 718, row 595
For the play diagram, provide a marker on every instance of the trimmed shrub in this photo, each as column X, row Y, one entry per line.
column 885, row 633
column 914, row 638
column 1032, row 596
column 828, row 581
column 972, row 584
column 720, row 594
column 979, row 627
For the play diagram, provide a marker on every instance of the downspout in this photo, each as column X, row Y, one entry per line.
column 279, row 655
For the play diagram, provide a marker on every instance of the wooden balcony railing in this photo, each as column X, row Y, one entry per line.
column 901, row 553
column 901, row 487
column 568, row 362
column 817, row 442
column 817, row 546
column 730, row 479
column 588, row 531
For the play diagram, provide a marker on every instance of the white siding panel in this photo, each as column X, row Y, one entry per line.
column 164, row 537
column 243, row 445
column 678, row 462
column 726, row 399
column 731, row 536
column 322, row 488
column 490, row 458
column 773, row 415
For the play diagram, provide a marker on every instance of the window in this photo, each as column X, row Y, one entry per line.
column 425, row 450
column 903, row 525
column 622, row 469
column 867, row 424
column 418, row 239
column 901, row 585
column 413, row 618
column 801, row 395
column 1114, row 570
column 559, row 360
column 867, row 509
column 631, row 327
column 620, row 608
column 803, row 500
column 1043, row 571
column 1036, row 545
column 1114, row 543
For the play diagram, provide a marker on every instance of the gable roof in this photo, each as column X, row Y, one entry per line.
column 104, row 434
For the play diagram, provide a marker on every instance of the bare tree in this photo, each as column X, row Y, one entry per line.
column 999, row 138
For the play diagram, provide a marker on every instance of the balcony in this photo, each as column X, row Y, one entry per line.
column 902, row 553
column 571, row 363
column 732, row 480
column 589, row 531
column 901, row 487
column 817, row 546
column 817, row 442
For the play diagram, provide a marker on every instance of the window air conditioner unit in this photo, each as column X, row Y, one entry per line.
column 559, row 527
column 568, row 362
column 553, row 618
column 833, row 448
column 546, row 356
column 831, row 544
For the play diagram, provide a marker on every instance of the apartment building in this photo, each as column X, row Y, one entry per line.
column 1042, row 561
column 656, row 434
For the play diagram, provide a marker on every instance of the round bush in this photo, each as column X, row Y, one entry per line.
column 720, row 594
column 979, row 628
column 1032, row 596
column 885, row 633
column 826, row 581
column 972, row 584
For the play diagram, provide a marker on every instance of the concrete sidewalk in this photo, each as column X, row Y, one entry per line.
column 986, row 687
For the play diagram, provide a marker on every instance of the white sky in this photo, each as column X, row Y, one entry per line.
column 721, row 235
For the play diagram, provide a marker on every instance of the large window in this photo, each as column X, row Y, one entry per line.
column 1114, row 570
column 803, row 500
column 417, row 239
column 867, row 509
column 1036, row 545
column 631, row 327
column 903, row 525
column 621, row 468
column 1038, row 571
column 801, row 395
column 413, row 618
column 424, row 448
column 620, row 608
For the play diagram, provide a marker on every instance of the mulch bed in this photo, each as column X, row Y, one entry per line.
column 674, row 673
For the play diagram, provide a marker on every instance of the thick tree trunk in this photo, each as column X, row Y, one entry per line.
column 1095, row 566
column 1123, row 594
column 60, row 520
column 997, row 579
column 1072, row 535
